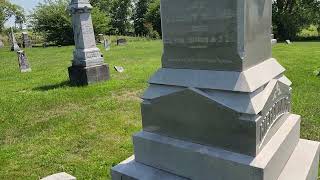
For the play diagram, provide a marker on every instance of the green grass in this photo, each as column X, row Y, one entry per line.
column 48, row 126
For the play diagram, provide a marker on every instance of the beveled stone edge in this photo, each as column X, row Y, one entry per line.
column 131, row 169
column 246, row 81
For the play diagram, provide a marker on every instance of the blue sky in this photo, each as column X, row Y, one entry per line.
column 28, row 5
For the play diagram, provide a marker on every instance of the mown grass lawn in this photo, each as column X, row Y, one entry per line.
column 46, row 126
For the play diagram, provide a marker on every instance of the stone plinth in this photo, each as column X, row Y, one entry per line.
column 220, row 106
column 87, row 65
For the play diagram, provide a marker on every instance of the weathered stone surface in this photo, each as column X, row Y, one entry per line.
column 219, row 108
column 80, row 75
column 132, row 170
column 238, row 122
column 101, row 38
column 304, row 162
column 23, row 62
column 14, row 44
column 215, row 35
column 26, row 40
column 197, row 161
column 60, row 176
column 87, row 59
column 306, row 154
column 106, row 44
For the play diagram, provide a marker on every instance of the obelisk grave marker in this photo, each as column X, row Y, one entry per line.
column 14, row 44
column 219, row 108
column 87, row 65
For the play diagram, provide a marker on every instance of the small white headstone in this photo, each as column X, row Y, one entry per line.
column 119, row 69
column 60, row 176
column 288, row 42
column 106, row 44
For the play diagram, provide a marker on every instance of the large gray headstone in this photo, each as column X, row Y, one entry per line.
column 87, row 65
column 219, row 108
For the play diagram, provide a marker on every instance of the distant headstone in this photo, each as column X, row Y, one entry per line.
column 220, row 106
column 273, row 40
column 121, row 42
column 106, row 44
column 1, row 44
column 101, row 38
column 45, row 45
column 119, row 69
column 59, row 176
column 26, row 41
column 14, row 44
column 23, row 62
column 88, row 65
column 288, row 42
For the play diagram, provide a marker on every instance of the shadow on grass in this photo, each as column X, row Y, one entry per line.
column 54, row 86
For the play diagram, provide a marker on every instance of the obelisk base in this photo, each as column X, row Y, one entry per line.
column 81, row 76
column 302, row 165
column 285, row 157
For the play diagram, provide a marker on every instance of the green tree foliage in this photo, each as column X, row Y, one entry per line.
column 153, row 17
column 120, row 13
column 139, row 17
column 291, row 16
column 8, row 10
column 53, row 20
column 103, row 5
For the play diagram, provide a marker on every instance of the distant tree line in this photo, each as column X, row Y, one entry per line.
column 142, row 18
column 111, row 17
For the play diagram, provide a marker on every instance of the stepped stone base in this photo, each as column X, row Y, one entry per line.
column 80, row 75
column 157, row 155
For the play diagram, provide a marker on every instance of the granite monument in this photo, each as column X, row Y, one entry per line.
column 14, row 44
column 220, row 106
column 88, row 65
column 25, row 40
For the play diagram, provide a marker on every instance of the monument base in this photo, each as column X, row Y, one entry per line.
column 80, row 75
column 285, row 157
column 302, row 165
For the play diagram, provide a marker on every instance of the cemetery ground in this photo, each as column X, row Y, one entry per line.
column 48, row 126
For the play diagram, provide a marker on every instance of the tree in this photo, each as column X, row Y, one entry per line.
column 153, row 16
column 53, row 20
column 8, row 10
column 120, row 15
column 290, row 16
column 139, row 17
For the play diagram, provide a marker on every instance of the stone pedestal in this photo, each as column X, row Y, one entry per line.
column 80, row 75
column 87, row 65
column 219, row 108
